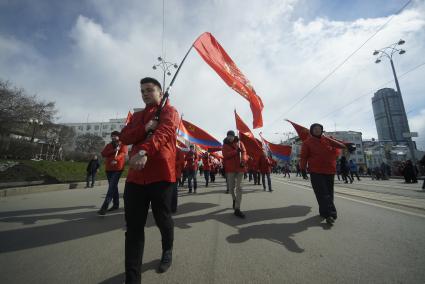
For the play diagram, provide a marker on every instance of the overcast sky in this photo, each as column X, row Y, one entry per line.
column 88, row 57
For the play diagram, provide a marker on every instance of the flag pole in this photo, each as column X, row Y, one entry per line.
column 167, row 91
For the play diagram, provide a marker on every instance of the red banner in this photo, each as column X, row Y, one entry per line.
column 253, row 148
column 214, row 54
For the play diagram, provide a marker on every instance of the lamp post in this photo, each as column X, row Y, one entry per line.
column 34, row 122
column 165, row 67
column 388, row 52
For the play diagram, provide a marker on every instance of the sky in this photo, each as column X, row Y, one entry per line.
column 89, row 55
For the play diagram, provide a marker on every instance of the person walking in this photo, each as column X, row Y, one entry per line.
column 320, row 155
column 192, row 168
column 150, row 177
column 235, row 160
column 207, row 167
column 114, row 154
column 345, row 170
column 354, row 170
column 92, row 169
column 265, row 170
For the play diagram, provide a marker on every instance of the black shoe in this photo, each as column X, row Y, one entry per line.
column 227, row 191
column 330, row 220
column 190, row 191
column 102, row 211
column 166, row 260
column 233, row 206
column 239, row 213
column 113, row 208
column 271, row 190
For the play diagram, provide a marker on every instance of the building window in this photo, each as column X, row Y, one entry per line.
column 360, row 160
column 96, row 127
column 105, row 126
column 122, row 126
column 88, row 127
column 358, row 145
column 104, row 134
column 80, row 128
column 112, row 126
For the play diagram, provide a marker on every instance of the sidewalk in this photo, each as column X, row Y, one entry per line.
column 416, row 202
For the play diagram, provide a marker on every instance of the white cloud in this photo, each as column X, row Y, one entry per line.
column 283, row 57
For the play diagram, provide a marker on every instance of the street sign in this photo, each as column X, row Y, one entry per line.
column 410, row 134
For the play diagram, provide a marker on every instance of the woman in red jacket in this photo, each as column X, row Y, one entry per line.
column 206, row 163
column 320, row 154
column 114, row 154
column 235, row 159
column 150, row 177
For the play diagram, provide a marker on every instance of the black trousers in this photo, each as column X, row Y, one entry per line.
column 323, row 186
column 137, row 199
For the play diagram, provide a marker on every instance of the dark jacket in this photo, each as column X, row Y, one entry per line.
column 93, row 166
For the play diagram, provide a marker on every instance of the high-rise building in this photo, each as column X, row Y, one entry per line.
column 390, row 116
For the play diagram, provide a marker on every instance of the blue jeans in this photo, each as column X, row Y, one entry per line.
column 112, row 194
column 191, row 175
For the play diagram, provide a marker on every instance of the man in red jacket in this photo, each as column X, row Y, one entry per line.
column 207, row 167
column 150, row 177
column 114, row 154
column 265, row 169
column 320, row 154
column 235, row 159
column 191, row 168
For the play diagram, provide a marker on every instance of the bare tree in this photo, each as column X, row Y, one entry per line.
column 89, row 143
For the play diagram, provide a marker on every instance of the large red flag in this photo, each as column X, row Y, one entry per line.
column 214, row 54
column 303, row 132
column 242, row 127
column 253, row 148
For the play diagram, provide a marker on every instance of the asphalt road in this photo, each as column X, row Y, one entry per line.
column 57, row 237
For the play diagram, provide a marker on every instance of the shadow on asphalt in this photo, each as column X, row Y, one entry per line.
column 76, row 225
column 278, row 233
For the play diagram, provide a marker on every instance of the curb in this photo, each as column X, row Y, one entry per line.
column 367, row 197
column 48, row 187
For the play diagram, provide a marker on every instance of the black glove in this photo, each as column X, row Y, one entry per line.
column 115, row 144
column 304, row 174
column 239, row 150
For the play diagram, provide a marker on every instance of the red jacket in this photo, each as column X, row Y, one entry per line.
column 112, row 155
column 179, row 162
column 232, row 161
column 206, row 163
column 191, row 159
column 265, row 164
column 160, row 146
column 320, row 154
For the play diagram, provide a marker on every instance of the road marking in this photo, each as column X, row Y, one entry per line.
column 359, row 201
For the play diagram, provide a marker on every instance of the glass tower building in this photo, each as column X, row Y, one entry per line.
column 390, row 116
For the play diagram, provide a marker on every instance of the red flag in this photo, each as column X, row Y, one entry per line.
column 198, row 136
column 129, row 118
column 242, row 127
column 253, row 148
column 214, row 54
column 282, row 152
column 303, row 132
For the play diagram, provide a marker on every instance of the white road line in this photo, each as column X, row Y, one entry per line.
column 359, row 201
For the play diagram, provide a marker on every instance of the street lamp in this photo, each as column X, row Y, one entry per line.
column 165, row 66
column 34, row 122
column 388, row 52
